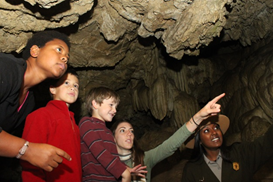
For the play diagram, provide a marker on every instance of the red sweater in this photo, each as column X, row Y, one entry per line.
column 100, row 160
column 55, row 125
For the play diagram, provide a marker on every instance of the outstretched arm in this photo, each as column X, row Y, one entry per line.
column 169, row 146
column 212, row 108
column 44, row 156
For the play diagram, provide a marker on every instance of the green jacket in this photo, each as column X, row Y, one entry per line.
column 246, row 157
column 164, row 150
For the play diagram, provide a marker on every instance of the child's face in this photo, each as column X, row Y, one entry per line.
column 52, row 58
column 106, row 110
column 67, row 89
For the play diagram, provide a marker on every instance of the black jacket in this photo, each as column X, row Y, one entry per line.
column 12, row 72
column 249, row 155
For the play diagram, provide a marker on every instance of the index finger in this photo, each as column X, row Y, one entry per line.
column 216, row 99
column 63, row 154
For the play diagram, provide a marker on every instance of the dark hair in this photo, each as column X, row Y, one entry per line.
column 137, row 152
column 99, row 94
column 70, row 70
column 55, row 82
column 41, row 38
column 199, row 150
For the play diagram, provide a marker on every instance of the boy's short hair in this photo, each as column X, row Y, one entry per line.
column 70, row 70
column 99, row 94
column 54, row 82
column 41, row 38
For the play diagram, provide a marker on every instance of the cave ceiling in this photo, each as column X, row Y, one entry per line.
column 146, row 49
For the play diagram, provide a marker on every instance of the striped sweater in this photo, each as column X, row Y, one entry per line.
column 100, row 160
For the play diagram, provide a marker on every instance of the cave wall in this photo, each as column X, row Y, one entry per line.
column 247, row 84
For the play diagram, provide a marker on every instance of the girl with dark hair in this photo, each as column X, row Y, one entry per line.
column 131, row 154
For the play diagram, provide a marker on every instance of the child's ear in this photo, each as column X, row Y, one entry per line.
column 52, row 90
column 34, row 51
column 94, row 104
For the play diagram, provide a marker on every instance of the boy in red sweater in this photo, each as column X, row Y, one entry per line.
column 100, row 160
column 55, row 125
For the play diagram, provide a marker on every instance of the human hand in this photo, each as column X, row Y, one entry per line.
column 210, row 109
column 45, row 156
column 138, row 170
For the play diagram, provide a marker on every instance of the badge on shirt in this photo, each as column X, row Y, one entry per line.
column 236, row 166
